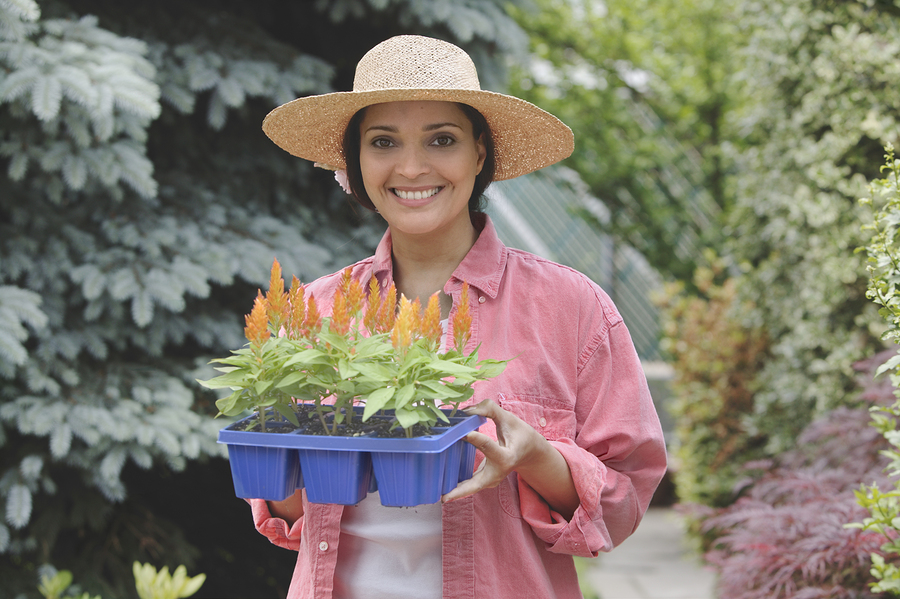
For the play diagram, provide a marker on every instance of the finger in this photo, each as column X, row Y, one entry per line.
column 491, row 449
column 463, row 489
column 486, row 407
column 480, row 480
column 490, row 409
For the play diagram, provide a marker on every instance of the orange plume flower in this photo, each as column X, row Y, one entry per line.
column 461, row 321
column 373, row 305
column 346, row 277
column 340, row 314
column 356, row 297
column 276, row 299
column 431, row 320
column 298, row 308
column 415, row 318
column 257, row 329
column 387, row 314
column 313, row 321
column 404, row 325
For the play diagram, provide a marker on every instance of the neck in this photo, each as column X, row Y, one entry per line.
column 424, row 263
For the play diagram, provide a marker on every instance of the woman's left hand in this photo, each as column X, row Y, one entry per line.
column 522, row 449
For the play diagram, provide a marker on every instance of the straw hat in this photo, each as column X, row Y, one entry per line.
column 412, row 67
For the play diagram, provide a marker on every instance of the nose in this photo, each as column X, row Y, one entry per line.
column 413, row 162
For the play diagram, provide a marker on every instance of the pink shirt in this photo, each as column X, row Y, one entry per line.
column 577, row 379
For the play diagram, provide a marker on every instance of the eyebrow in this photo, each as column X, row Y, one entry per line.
column 394, row 129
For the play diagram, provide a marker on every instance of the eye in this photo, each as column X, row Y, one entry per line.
column 444, row 140
column 382, row 142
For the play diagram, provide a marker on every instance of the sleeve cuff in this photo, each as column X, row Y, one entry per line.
column 275, row 529
column 584, row 534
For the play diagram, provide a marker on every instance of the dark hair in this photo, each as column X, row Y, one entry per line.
column 480, row 128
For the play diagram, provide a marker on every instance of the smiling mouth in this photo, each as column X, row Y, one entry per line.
column 416, row 195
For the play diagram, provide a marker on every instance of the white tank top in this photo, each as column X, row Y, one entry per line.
column 389, row 552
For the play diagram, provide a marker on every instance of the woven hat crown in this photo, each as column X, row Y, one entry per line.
column 415, row 62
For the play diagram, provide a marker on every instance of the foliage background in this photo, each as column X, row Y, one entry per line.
column 140, row 210
column 788, row 106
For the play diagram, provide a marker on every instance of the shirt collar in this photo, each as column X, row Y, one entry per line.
column 482, row 267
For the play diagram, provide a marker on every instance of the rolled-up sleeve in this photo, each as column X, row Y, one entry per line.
column 275, row 529
column 617, row 458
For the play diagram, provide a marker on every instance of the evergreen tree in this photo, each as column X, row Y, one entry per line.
column 141, row 209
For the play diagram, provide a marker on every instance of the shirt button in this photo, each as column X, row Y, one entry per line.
column 543, row 421
column 323, row 546
column 482, row 299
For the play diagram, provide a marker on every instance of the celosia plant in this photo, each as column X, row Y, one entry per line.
column 368, row 353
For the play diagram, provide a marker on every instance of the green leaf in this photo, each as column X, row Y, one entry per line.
column 287, row 412
column 451, row 368
column 231, row 406
column 377, row 400
column 237, row 379
column 338, row 342
column 346, row 370
column 439, row 413
column 406, row 417
column 374, row 371
column 262, row 386
column 308, row 356
column 489, row 369
column 291, row 379
column 439, row 390
column 891, row 364
column 404, row 395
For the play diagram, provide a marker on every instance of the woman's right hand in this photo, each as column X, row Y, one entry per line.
column 290, row 510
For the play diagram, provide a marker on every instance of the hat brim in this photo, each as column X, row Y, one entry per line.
column 526, row 138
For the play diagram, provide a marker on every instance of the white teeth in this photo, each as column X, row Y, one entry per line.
column 416, row 195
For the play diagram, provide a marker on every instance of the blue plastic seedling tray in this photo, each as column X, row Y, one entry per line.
column 342, row 470
column 271, row 473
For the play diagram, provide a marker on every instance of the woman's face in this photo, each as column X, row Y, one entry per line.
column 419, row 161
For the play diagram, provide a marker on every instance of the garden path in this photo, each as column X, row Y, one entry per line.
column 656, row 562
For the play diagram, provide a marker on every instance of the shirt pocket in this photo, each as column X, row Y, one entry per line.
column 553, row 419
column 549, row 417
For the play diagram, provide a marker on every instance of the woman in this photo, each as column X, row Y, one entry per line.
column 572, row 450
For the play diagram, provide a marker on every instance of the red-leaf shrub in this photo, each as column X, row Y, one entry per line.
column 785, row 538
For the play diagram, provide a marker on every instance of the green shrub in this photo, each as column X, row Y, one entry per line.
column 883, row 252
column 715, row 359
